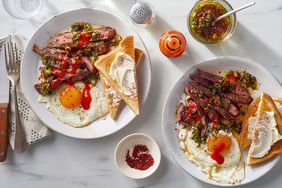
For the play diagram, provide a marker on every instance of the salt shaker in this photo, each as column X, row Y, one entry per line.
column 142, row 13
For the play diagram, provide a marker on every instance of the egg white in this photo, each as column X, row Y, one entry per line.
column 231, row 171
column 78, row 117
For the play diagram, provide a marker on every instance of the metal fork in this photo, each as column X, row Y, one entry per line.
column 13, row 70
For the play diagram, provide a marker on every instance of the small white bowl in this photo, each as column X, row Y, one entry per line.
column 128, row 143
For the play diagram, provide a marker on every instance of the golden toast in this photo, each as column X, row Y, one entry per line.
column 258, row 107
column 104, row 64
column 114, row 99
column 244, row 141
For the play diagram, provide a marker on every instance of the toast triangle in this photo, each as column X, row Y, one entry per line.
column 104, row 64
column 114, row 99
column 266, row 104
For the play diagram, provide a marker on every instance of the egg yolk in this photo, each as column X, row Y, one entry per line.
column 70, row 96
column 214, row 142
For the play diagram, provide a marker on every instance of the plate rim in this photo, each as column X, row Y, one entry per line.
column 211, row 182
column 127, row 24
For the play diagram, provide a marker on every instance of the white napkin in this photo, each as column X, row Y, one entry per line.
column 34, row 128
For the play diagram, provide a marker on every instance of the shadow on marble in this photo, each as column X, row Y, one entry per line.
column 157, row 176
column 158, row 27
column 246, row 44
column 243, row 44
column 13, row 158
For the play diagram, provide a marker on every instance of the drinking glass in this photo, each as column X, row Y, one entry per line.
column 23, row 9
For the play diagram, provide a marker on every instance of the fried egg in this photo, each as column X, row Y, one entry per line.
column 65, row 104
column 230, row 171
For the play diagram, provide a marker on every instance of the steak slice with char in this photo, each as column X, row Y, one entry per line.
column 238, row 98
column 223, row 113
column 226, row 103
column 240, row 90
column 213, row 115
column 209, row 76
column 64, row 39
column 195, row 77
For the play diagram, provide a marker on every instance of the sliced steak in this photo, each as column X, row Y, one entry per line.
column 105, row 34
column 209, row 76
column 50, row 53
column 223, row 113
column 195, row 77
column 179, row 112
column 89, row 64
column 240, row 90
column 200, row 87
column 238, row 98
column 64, row 39
column 213, row 115
column 229, row 106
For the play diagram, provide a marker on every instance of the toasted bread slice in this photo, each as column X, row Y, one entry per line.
column 104, row 64
column 244, row 141
column 113, row 97
column 267, row 104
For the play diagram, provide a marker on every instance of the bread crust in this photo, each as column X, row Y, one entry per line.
column 114, row 107
column 104, row 63
column 266, row 104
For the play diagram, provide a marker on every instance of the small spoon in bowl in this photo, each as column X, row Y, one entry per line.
column 234, row 11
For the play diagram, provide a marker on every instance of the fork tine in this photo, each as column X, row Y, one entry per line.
column 17, row 57
column 10, row 63
column 13, row 56
column 6, row 55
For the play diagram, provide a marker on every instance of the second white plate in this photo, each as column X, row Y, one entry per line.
column 268, row 84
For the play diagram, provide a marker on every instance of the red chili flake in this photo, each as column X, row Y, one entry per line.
column 216, row 101
column 213, row 117
column 214, row 125
column 140, row 158
column 84, row 39
column 187, row 114
column 206, row 100
column 197, row 118
column 191, row 104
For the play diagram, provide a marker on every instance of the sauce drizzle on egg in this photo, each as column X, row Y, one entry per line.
column 86, row 97
column 216, row 154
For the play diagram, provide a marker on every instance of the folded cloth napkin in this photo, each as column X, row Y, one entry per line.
column 34, row 128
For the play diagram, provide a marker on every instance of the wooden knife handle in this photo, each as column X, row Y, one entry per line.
column 3, row 131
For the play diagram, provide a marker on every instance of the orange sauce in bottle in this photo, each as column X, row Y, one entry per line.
column 172, row 43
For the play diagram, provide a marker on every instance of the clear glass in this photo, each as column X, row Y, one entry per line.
column 23, row 9
column 231, row 28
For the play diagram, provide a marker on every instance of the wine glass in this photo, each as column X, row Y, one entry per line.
column 23, row 9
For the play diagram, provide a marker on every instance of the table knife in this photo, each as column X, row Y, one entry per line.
column 4, row 106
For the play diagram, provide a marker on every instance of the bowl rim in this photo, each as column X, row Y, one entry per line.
column 165, row 138
column 224, row 3
column 130, row 27
column 146, row 137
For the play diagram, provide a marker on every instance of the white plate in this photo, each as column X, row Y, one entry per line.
column 128, row 143
column 29, row 72
column 268, row 84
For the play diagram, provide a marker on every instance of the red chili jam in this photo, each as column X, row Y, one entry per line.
column 140, row 159
column 202, row 22
column 216, row 155
column 86, row 97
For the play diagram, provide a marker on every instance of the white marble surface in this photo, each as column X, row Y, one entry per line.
column 59, row 161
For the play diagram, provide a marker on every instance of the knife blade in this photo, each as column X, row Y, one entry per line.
column 4, row 104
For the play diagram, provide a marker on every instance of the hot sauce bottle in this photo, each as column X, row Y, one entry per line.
column 172, row 43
